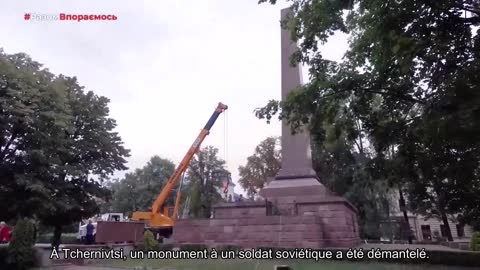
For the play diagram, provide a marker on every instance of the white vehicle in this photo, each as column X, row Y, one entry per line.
column 82, row 226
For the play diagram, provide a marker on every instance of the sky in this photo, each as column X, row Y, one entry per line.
column 165, row 65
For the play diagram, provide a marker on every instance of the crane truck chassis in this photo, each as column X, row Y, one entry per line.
column 160, row 219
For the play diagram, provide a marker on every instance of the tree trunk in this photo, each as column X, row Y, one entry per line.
column 57, row 234
column 443, row 214
column 405, row 216
column 388, row 230
column 35, row 230
column 446, row 225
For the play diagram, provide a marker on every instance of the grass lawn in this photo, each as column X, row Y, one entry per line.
column 264, row 265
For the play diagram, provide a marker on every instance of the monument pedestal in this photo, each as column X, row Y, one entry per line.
column 294, row 187
column 296, row 213
column 283, row 193
column 308, row 221
column 308, row 197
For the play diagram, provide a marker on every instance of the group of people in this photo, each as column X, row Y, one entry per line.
column 5, row 233
column 237, row 199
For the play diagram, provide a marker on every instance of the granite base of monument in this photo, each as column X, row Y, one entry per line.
column 291, row 217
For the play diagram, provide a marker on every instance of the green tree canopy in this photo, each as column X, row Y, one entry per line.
column 138, row 189
column 57, row 144
column 411, row 78
column 261, row 166
column 205, row 174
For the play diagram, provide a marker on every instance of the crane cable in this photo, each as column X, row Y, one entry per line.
column 225, row 146
column 225, row 137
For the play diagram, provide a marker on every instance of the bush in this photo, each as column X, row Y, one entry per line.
column 69, row 239
column 44, row 238
column 66, row 238
column 20, row 249
column 475, row 242
column 149, row 242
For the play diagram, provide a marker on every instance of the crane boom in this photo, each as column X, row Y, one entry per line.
column 182, row 167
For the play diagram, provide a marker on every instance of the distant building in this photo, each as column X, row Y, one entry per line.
column 257, row 197
column 230, row 192
column 424, row 229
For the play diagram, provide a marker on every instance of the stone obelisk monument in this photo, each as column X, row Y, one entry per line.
column 297, row 190
column 296, row 176
column 299, row 211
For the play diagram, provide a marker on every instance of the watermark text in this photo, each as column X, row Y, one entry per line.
column 69, row 17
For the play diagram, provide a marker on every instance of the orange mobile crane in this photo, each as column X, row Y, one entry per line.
column 161, row 219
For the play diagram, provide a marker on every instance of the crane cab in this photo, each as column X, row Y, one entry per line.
column 160, row 223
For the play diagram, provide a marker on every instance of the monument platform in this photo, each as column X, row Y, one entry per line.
column 312, row 222
column 308, row 197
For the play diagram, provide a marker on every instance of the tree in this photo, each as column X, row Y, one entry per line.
column 89, row 146
column 56, row 139
column 342, row 157
column 205, row 174
column 261, row 166
column 138, row 189
column 408, row 91
column 26, row 98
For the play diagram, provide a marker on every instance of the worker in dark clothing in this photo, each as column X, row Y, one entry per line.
column 89, row 236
